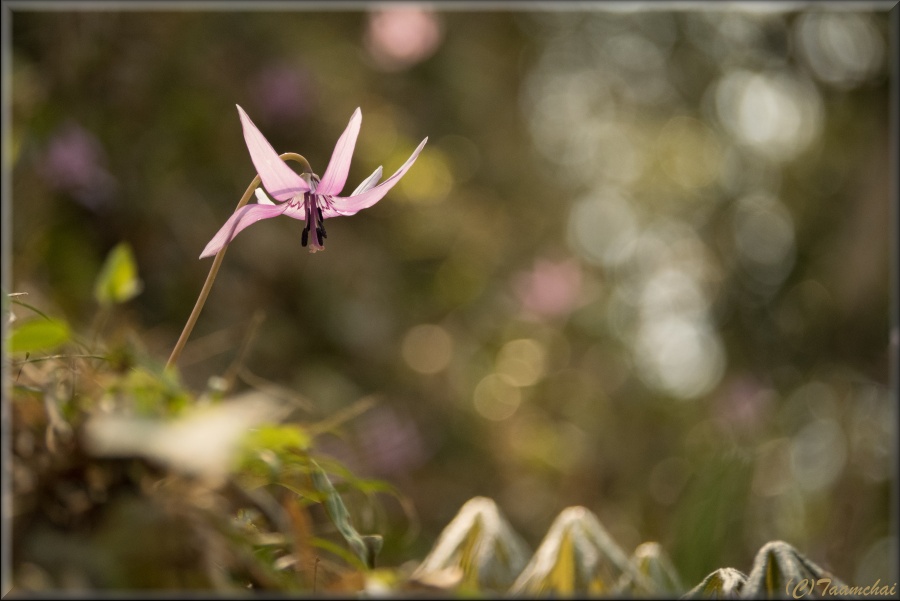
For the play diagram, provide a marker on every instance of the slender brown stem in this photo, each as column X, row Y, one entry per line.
column 217, row 262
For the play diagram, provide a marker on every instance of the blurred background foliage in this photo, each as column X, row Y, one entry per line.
column 642, row 265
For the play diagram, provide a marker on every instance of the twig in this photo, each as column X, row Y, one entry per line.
column 236, row 365
column 51, row 357
column 346, row 414
column 217, row 262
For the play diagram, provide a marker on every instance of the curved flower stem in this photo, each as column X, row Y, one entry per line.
column 217, row 262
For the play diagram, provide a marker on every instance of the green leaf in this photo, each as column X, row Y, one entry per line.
column 39, row 335
column 16, row 301
column 364, row 547
column 724, row 583
column 279, row 438
column 578, row 556
column 651, row 561
column 562, row 575
column 118, row 281
column 481, row 545
column 781, row 571
column 344, row 554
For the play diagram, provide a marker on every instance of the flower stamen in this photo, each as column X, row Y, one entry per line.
column 304, row 238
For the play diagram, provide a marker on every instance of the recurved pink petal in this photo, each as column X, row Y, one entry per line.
column 363, row 200
column 243, row 217
column 369, row 182
column 366, row 184
column 280, row 181
column 335, row 175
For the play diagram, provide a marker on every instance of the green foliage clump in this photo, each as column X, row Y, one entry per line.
column 126, row 479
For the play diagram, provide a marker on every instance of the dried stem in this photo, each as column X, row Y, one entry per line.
column 217, row 262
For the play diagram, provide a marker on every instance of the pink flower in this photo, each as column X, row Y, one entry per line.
column 398, row 38
column 305, row 196
column 550, row 289
column 74, row 162
column 284, row 92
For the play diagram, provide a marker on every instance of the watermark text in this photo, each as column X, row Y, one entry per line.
column 825, row 588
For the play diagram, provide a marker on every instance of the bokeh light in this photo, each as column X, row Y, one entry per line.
column 496, row 397
column 427, row 348
column 522, row 362
column 777, row 114
column 764, row 238
column 842, row 49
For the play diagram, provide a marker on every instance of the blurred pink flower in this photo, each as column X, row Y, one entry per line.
column 390, row 442
column 306, row 197
column 550, row 289
column 743, row 402
column 283, row 92
column 398, row 38
column 73, row 162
